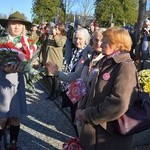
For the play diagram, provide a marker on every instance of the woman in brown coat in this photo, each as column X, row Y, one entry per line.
column 110, row 94
column 54, row 53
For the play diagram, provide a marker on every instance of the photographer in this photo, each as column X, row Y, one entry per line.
column 146, row 39
column 53, row 51
column 145, row 43
column 43, row 40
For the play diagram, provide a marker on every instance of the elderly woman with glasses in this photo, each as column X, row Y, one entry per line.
column 82, row 52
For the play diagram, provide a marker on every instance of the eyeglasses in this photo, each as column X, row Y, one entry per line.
column 96, row 40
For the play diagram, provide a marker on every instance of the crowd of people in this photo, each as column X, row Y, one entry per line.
column 101, row 59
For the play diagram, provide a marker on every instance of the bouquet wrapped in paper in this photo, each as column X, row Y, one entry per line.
column 76, row 90
column 72, row 144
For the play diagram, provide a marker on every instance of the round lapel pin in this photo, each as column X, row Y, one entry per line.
column 106, row 76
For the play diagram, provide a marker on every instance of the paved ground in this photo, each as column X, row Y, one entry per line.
column 47, row 126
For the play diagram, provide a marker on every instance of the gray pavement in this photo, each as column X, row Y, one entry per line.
column 47, row 126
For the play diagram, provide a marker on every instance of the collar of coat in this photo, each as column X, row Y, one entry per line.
column 117, row 58
column 121, row 57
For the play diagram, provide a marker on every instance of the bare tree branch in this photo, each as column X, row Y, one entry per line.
column 87, row 7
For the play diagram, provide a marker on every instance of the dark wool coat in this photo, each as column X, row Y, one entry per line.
column 111, row 94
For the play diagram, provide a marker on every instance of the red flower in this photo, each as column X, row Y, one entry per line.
column 9, row 44
column 30, row 41
column 73, row 144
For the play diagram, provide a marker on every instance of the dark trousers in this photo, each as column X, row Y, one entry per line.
column 55, row 86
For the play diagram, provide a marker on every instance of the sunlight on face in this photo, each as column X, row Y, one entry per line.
column 97, row 41
column 107, row 49
column 80, row 40
column 16, row 28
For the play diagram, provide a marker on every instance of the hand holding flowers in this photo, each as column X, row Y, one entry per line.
column 10, row 68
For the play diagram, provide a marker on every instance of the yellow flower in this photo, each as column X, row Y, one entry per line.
column 146, row 87
column 144, row 79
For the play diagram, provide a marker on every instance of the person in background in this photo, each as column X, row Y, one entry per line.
column 48, row 31
column 145, row 45
column 69, row 43
column 110, row 94
column 42, row 26
column 12, row 85
column 79, row 24
column 53, row 51
column 43, row 33
column 34, row 33
column 92, row 28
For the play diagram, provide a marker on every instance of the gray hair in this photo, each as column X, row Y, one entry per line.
column 86, row 34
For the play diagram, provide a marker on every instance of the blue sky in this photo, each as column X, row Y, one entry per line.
column 148, row 5
column 23, row 6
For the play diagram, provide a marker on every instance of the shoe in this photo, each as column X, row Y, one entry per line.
column 13, row 146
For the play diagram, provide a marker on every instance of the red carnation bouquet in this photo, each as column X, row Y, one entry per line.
column 76, row 90
column 10, row 54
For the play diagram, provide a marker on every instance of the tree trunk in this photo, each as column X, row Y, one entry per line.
column 141, row 17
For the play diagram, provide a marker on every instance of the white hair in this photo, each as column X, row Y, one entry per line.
column 86, row 34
